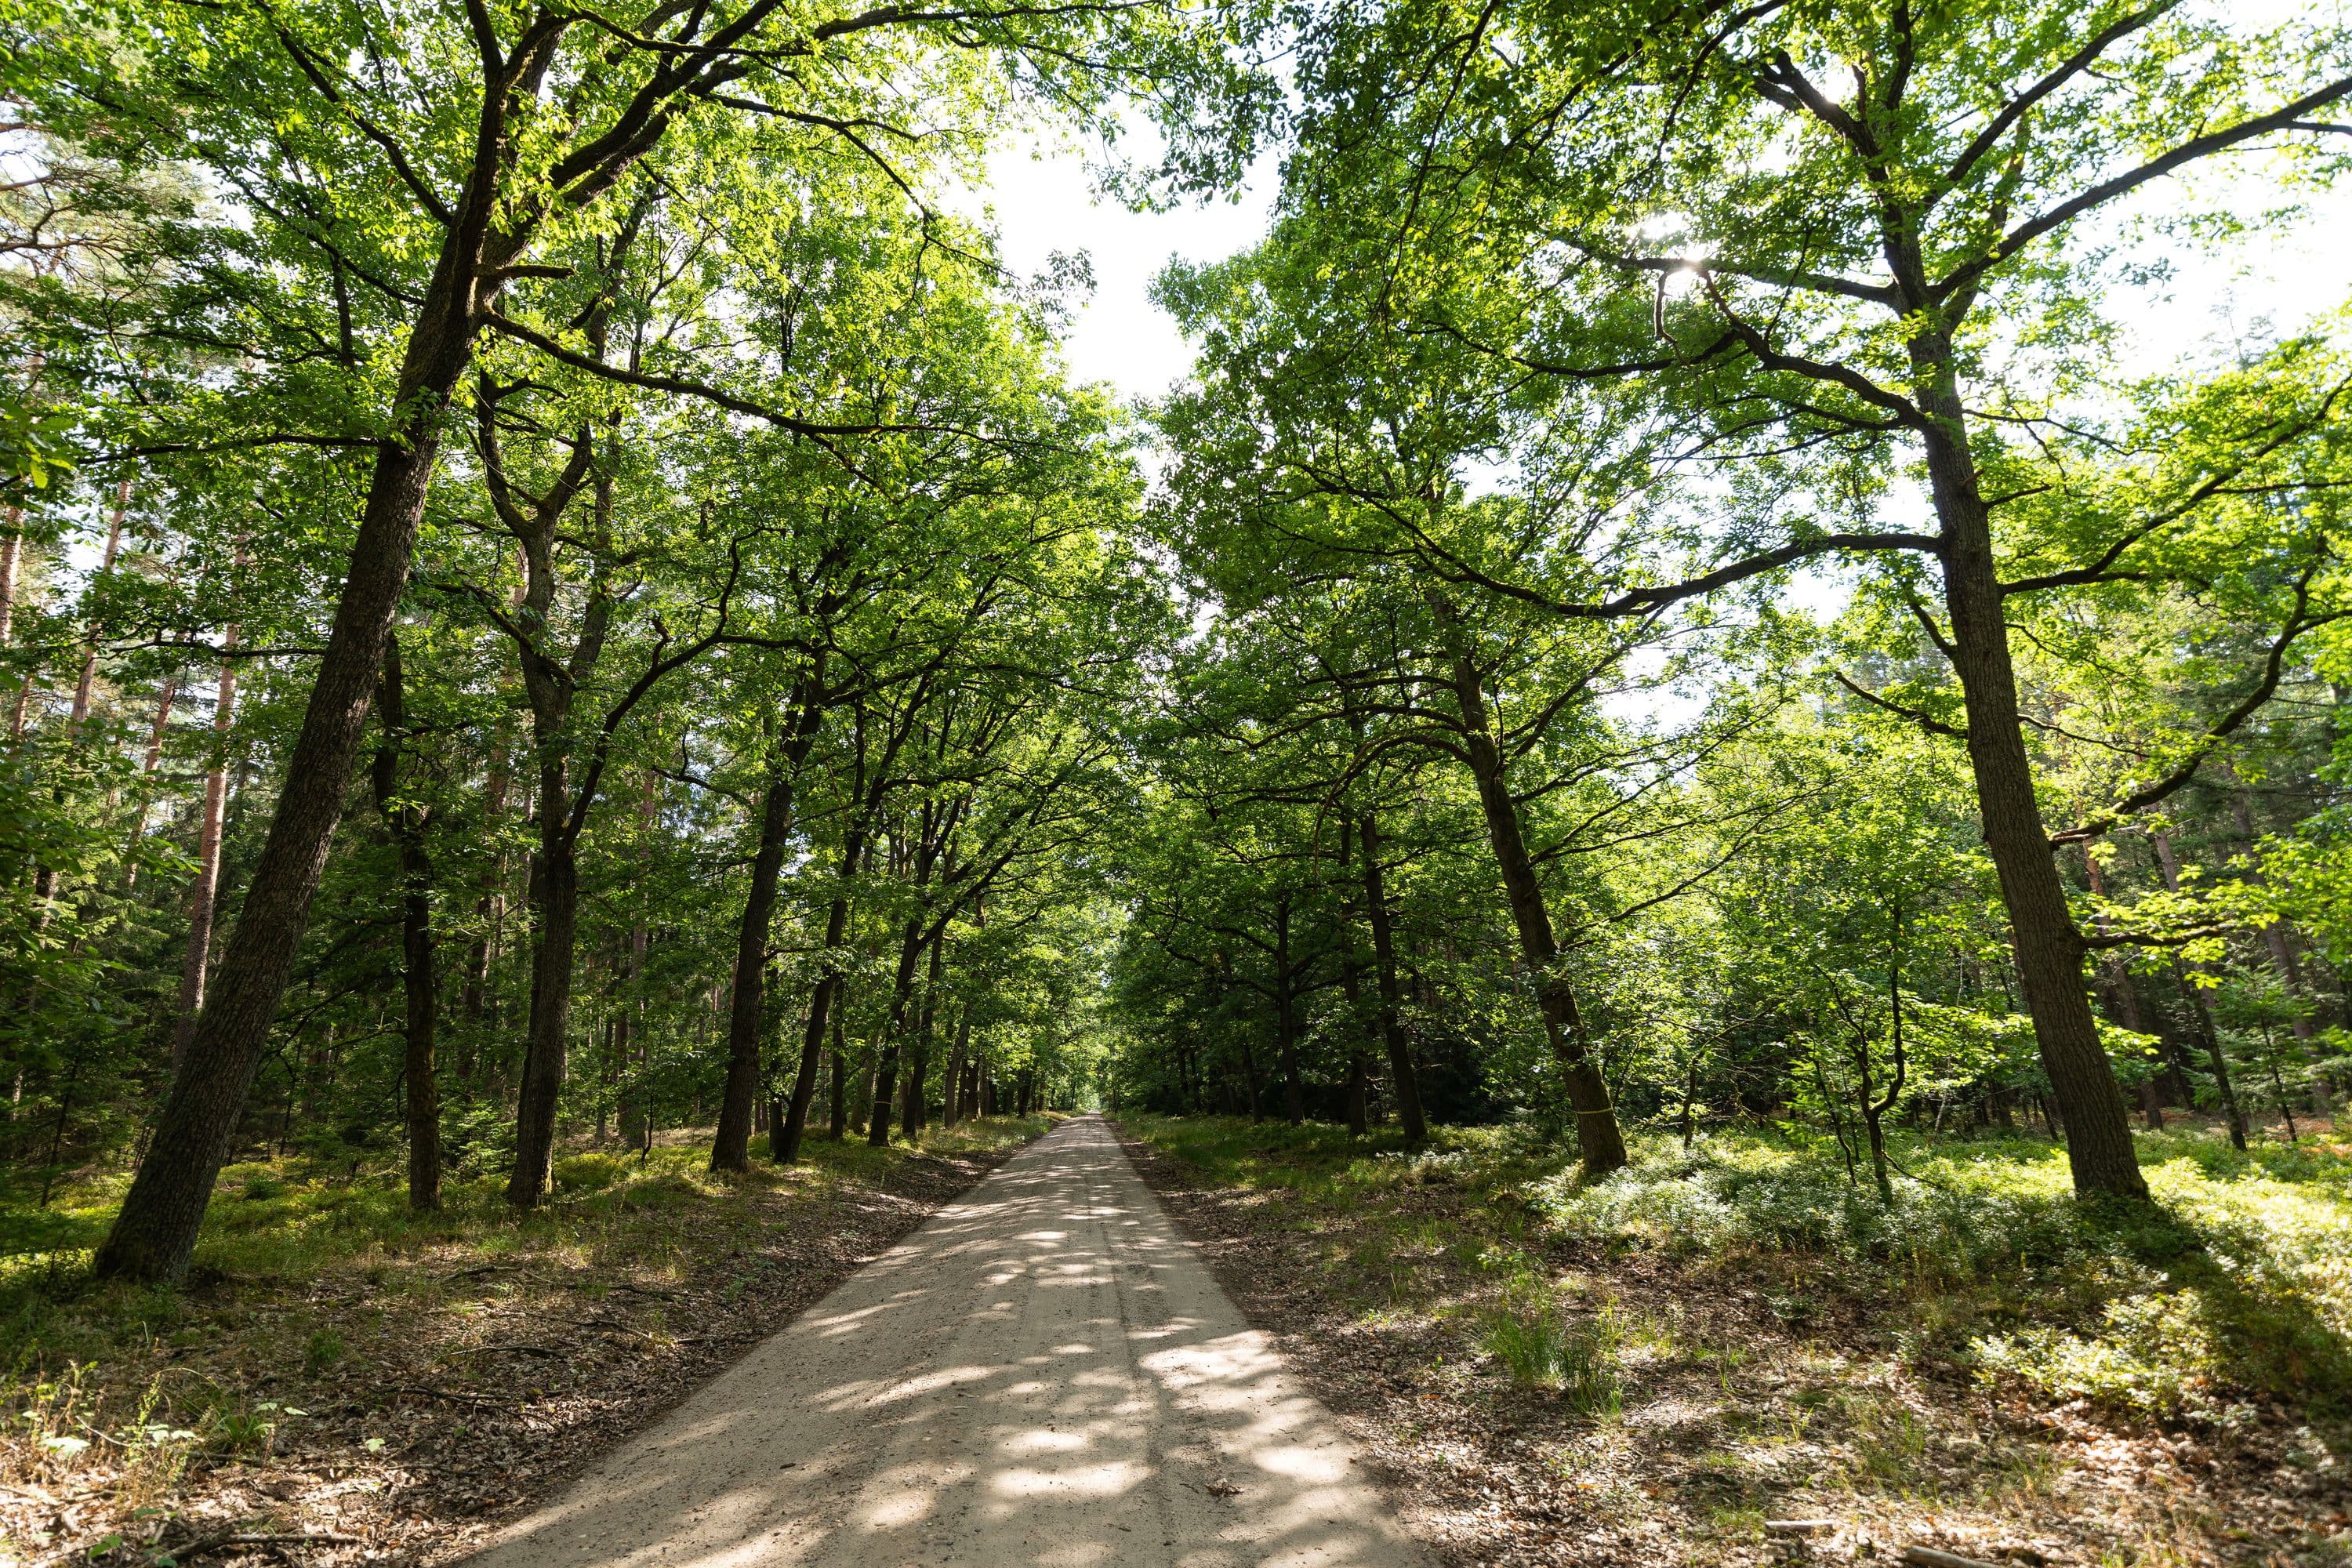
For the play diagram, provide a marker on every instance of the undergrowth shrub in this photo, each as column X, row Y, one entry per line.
column 2236, row 1282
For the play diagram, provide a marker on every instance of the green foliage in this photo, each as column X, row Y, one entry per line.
column 2231, row 1289
column 1543, row 1347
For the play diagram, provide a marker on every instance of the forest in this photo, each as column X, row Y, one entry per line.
column 1730, row 660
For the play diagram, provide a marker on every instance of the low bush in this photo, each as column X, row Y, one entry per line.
column 2235, row 1284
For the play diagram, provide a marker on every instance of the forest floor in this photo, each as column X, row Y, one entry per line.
column 342, row 1382
column 1044, row 1374
column 1662, row 1368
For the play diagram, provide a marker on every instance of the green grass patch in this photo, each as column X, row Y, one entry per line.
column 294, row 1219
column 2235, row 1285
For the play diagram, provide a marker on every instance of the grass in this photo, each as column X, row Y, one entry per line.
column 315, row 1296
column 2234, row 1287
column 284, row 1219
column 1659, row 1362
column 1543, row 1347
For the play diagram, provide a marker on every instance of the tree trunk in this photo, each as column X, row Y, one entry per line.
column 916, row 1080
column 1405, row 1082
column 204, row 891
column 731, row 1150
column 959, row 1105
column 156, row 1232
column 838, row 1124
column 2049, row 948
column 1597, row 1139
column 12, row 546
column 1294, row 1094
column 1357, row 1091
column 2201, row 1013
column 555, row 916
column 405, row 823
column 820, row 1002
column 886, row 1067
column 1224, row 971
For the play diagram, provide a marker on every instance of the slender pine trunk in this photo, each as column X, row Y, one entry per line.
column 203, row 893
column 731, row 1149
column 787, row 1144
column 1404, row 1080
column 555, row 916
column 405, row 822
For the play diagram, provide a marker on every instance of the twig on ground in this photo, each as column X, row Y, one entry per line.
column 1928, row 1557
column 444, row 1394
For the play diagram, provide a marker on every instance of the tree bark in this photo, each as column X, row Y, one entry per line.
column 820, row 1002
column 959, row 1103
column 2050, row 950
column 1294, row 1094
column 204, row 891
column 555, row 924
column 731, row 1148
column 1406, row 1082
column 12, row 545
column 886, row 1069
column 1598, row 1138
column 405, row 823
column 156, row 1232
column 916, row 1080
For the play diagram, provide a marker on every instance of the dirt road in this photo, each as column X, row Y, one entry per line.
column 1043, row 1374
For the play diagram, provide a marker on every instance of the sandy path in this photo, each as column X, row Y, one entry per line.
column 1045, row 1373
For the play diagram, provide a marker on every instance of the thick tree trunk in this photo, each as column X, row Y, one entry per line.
column 555, row 916
column 156, row 1232
column 2050, row 950
column 1598, row 1138
column 405, row 823
column 1406, row 1082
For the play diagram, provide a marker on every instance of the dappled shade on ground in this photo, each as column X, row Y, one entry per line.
column 1043, row 1374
